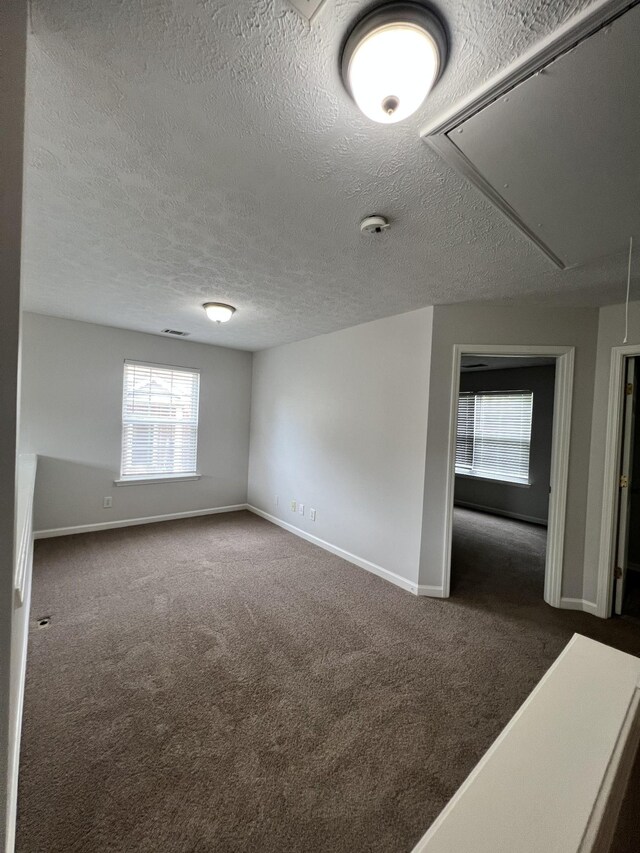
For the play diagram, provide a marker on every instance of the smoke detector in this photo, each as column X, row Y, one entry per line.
column 374, row 224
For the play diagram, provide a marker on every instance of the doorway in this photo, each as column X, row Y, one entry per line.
column 627, row 570
column 616, row 534
column 502, row 476
column 559, row 467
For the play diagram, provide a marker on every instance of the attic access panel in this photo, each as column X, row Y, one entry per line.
column 559, row 153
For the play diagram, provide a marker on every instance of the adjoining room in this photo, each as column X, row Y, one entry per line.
column 503, row 473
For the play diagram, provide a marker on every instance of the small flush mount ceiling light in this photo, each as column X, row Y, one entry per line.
column 391, row 60
column 218, row 312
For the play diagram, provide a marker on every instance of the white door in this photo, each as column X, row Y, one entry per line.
column 626, row 468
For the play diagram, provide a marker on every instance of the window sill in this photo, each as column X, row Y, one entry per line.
column 518, row 483
column 161, row 478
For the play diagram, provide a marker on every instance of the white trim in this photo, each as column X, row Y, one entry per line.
column 27, row 466
column 489, row 510
column 132, row 522
column 160, row 478
column 610, row 496
column 430, row 591
column 162, row 365
column 392, row 577
column 579, row 604
column 561, row 40
column 561, row 433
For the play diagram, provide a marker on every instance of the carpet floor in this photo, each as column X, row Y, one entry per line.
column 218, row 684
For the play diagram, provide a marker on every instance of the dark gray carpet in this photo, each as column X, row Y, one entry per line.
column 217, row 684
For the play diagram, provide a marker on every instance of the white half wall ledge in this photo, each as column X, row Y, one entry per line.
column 133, row 522
column 367, row 565
column 547, row 783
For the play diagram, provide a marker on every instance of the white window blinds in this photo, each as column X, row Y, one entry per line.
column 494, row 435
column 464, row 436
column 159, row 420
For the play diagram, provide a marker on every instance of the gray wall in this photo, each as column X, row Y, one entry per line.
column 71, row 415
column 528, row 502
column 339, row 423
column 13, row 619
column 533, row 325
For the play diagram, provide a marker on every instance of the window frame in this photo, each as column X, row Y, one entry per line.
column 148, row 478
column 468, row 471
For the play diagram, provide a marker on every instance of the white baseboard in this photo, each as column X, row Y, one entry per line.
column 132, row 522
column 503, row 512
column 392, row 577
column 579, row 604
column 14, row 747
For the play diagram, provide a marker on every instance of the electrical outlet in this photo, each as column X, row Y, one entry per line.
column 301, row 509
column 277, row 501
column 294, row 506
column 312, row 514
column 107, row 503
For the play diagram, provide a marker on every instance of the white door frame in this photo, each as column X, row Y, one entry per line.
column 561, row 433
column 610, row 495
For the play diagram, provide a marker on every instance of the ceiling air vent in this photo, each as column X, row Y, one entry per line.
column 175, row 333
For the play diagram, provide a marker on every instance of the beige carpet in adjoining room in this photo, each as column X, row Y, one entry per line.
column 217, row 684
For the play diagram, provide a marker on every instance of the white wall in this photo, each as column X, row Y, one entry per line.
column 71, row 416
column 339, row 423
column 610, row 334
column 13, row 36
column 535, row 325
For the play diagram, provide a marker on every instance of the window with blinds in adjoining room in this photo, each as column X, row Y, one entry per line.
column 493, row 438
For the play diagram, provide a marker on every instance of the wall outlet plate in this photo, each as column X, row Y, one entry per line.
column 312, row 514
column 107, row 503
column 294, row 506
column 301, row 509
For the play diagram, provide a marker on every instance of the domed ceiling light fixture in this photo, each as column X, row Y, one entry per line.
column 218, row 312
column 391, row 60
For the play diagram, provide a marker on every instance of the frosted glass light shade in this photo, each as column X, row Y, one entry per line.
column 217, row 312
column 392, row 59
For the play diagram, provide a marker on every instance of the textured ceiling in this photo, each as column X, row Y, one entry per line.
column 196, row 150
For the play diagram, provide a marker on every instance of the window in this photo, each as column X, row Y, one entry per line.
column 494, row 435
column 159, row 421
